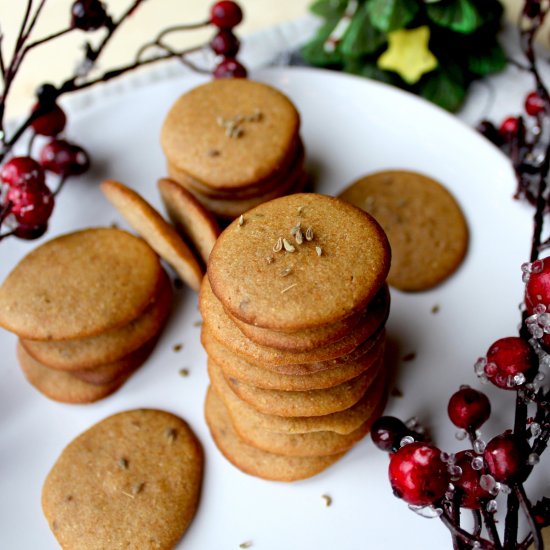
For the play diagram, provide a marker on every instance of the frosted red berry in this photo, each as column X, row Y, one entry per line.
column 472, row 495
column 31, row 205
column 226, row 14
column 469, row 409
column 51, row 123
column 387, row 433
column 537, row 289
column 534, row 104
column 506, row 457
column 417, row 474
column 22, row 171
column 230, row 68
column 507, row 358
column 88, row 15
column 509, row 128
column 225, row 43
column 64, row 158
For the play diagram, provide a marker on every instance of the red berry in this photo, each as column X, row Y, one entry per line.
column 472, row 494
column 31, row 205
column 225, row 43
column 226, row 14
column 387, row 433
column 30, row 233
column 230, row 68
column 417, row 474
column 64, row 158
column 469, row 409
column 509, row 128
column 537, row 289
column 88, row 15
column 22, row 171
column 534, row 104
column 506, row 457
column 489, row 130
column 507, row 358
column 51, row 122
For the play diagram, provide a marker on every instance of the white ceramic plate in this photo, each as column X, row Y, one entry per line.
column 350, row 127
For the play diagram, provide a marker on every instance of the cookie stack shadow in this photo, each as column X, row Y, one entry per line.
column 233, row 144
column 88, row 308
column 294, row 307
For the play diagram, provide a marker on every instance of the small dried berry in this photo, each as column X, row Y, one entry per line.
column 64, row 158
column 506, row 457
column 225, row 43
column 469, row 409
column 51, row 122
column 88, row 15
column 230, row 68
column 31, row 205
column 226, row 14
column 22, row 171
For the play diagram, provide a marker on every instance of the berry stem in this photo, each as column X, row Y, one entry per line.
column 463, row 535
column 519, row 490
column 4, row 212
column 490, row 524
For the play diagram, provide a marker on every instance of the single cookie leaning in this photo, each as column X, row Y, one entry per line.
column 160, row 235
column 80, row 285
column 230, row 133
column 278, row 265
column 108, row 490
column 424, row 223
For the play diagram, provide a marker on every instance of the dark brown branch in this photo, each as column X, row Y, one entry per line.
column 526, row 506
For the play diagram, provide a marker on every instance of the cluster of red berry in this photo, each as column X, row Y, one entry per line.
column 26, row 199
column 226, row 15
column 423, row 475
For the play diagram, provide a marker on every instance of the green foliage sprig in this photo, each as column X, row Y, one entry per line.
column 462, row 38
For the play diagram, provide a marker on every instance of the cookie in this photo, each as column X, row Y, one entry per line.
column 344, row 251
column 305, row 403
column 189, row 216
column 160, row 235
column 80, row 285
column 425, row 225
column 107, row 347
column 230, row 133
column 63, row 386
column 343, row 422
column 302, row 340
column 253, row 461
column 110, row 372
column 131, row 481
column 226, row 332
column 229, row 209
column 235, row 367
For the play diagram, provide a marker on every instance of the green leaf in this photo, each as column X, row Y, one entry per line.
column 444, row 88
column 329, row 9
column 389, row 15
column 315, row 53
column 490, row 58
column 361, row 38
column 458, row 15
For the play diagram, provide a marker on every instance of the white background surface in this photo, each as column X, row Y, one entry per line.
column 350, row 127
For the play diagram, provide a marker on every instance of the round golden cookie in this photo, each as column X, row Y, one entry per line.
column 230, row 133
column 425, row 225
column 253, row 461
column 301, row 340
column 226, row 332
column 107, row 347
column 160, row 235
column 342, row 422
column 229, row 209
column 131, row 481
column 341, row 264
column 292, row 166
column 236, row 367
column 306, row 403
column 63, row 386
column 110, row 372
column 80, row 285
column 189, row 216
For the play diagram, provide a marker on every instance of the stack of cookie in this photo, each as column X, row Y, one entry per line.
column 88, row 308
column 294, row 307
column 234, row 143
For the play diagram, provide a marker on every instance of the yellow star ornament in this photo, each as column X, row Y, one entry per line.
column 408, row 54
